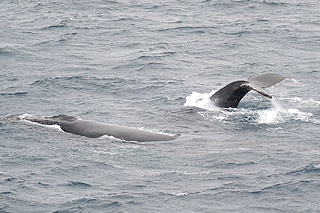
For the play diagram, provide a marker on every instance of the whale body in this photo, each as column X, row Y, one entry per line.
column 231, row 94
column 93, row 129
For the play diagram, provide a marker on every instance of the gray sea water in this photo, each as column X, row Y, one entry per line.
column 153, row 65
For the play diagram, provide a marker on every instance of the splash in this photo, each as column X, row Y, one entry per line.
column 200, row 100
column 273, row 115
column 278, row 113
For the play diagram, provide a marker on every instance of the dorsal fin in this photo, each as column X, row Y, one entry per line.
column 231, row 94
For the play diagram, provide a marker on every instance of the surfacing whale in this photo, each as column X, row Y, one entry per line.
column 93, row 129
column 231, row 94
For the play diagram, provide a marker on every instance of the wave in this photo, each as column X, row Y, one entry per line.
column 77, row 184
column 5, row 51
column 311, row 168
column 13, row 93
column 77, row 205
column 302, row 102
column 273, row 112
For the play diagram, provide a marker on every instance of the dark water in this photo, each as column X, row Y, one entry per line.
column 153, row 64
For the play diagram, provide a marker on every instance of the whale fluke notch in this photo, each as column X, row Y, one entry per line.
column 231, row 94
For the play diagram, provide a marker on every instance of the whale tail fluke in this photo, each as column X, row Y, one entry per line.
column 265, row 80
column 231, row 94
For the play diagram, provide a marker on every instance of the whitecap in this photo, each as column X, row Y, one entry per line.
column 179, row 194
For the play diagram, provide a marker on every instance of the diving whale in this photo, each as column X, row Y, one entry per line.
column 231, row 94
column 93, row 129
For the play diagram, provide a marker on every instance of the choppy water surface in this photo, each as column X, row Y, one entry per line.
column 153, row 65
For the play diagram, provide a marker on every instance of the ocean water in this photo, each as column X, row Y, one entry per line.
column 153, row 65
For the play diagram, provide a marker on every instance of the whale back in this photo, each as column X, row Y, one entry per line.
column 62, row 118
column 93, row 129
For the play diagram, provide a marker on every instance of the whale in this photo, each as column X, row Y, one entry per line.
column 230, row 95
column 93, row 129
